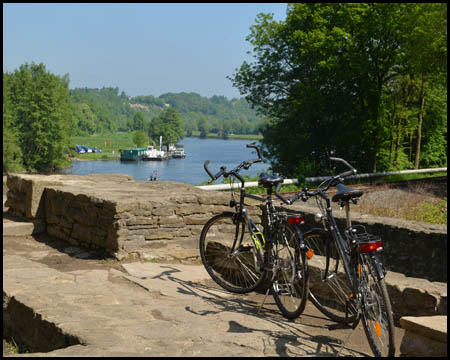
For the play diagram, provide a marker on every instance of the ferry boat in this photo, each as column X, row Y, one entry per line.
column 179, row 153
column 176, row 153
column 133, row 154
column 151, row 154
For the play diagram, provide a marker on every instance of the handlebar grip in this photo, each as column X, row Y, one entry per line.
column 279, row 196
column 344, row 162
column 205, row 166
column 257, row 150
column 348, row 173
column 295, row 197
column 219, row 174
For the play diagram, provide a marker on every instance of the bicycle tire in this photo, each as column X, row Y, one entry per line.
column 377, row 315
column 290, row 276
column 235, row 272
column 328, row 295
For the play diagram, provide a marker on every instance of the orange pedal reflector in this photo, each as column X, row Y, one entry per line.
column 378, row 328
column 350, row 296
column 309, row 254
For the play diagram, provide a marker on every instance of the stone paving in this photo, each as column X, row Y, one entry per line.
column 101, row 308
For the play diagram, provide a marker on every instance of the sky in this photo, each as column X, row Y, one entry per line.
column 143, row 49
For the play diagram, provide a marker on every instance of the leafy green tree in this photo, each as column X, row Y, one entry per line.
column 139, row 138
column 42, row 116
column 425, row 47
column 322, row 77
column 169, row 125
column 203, row 127
column 12, row 154
column 224, row 130
column 139, row 121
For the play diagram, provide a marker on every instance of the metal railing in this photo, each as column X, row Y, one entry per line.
column 321, row 178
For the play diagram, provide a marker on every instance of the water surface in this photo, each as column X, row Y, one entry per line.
column 189, row 170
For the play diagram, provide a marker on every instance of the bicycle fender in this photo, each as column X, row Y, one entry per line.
column 316, row 231
column 300, row 236
column 378, row 266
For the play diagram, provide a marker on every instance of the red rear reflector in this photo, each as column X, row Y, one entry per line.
column 296, row 220
column 371, row 246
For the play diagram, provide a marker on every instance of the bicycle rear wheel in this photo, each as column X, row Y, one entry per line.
column 329, row 290
column 377, row 316
column 290, row 277
column 234, row 269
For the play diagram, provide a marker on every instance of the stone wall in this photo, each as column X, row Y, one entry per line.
column 118, row 214
column 424, row 336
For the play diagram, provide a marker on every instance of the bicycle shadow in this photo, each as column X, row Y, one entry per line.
column 292, row 335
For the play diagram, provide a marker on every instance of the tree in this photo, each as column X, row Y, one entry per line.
column 42, row 115
column 139, row 138
column 139, row 121
column 426, row 54
column 321, row 76
column 169, row 125
column 203, row 127
column 12, row 154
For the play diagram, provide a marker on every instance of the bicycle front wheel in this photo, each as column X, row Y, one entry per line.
column 329, row 288
column 229, row 255
column 290, row 277
column 377, row 315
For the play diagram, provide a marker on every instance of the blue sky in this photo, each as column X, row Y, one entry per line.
column 143, row 49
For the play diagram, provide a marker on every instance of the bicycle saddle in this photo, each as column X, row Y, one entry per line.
column 345, row 193
column 268, row 181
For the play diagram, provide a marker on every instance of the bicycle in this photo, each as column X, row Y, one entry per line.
column 348, row 267
column 239, row 256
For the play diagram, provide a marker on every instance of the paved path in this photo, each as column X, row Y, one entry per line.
column 154, row 309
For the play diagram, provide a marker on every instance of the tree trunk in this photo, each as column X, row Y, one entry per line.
column 410, row 147
column 419, row 128
column 397, row 144
column 393, row 132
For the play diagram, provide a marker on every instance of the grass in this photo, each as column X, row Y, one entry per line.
column 416, row 203
column 232, row 136
column 395, row 178
column 10, row 347
column 110, row 148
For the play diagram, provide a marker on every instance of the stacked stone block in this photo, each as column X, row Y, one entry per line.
column 116, row 213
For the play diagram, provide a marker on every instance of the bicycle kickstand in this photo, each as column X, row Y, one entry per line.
column 267, row 293
column 264, row 300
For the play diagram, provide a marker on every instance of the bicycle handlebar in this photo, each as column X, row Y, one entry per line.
column 281, row 197
column 352, row 170
column 305, row 194
column 245, row 164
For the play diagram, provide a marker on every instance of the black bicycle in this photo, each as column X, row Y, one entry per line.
column 347, row 277
column 239, row 256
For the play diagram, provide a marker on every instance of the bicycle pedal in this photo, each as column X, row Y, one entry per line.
column 339, row 326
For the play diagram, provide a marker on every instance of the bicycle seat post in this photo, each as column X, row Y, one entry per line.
column 347, row 214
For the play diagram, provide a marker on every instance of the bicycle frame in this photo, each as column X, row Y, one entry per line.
column 254, row 230
column 348, row 250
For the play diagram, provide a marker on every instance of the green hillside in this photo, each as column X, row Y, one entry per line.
column 105, row 110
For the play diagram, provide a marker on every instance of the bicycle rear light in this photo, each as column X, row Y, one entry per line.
column 296, row 220
column 371, row 246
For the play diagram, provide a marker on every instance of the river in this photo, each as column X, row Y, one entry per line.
column 189, row 170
